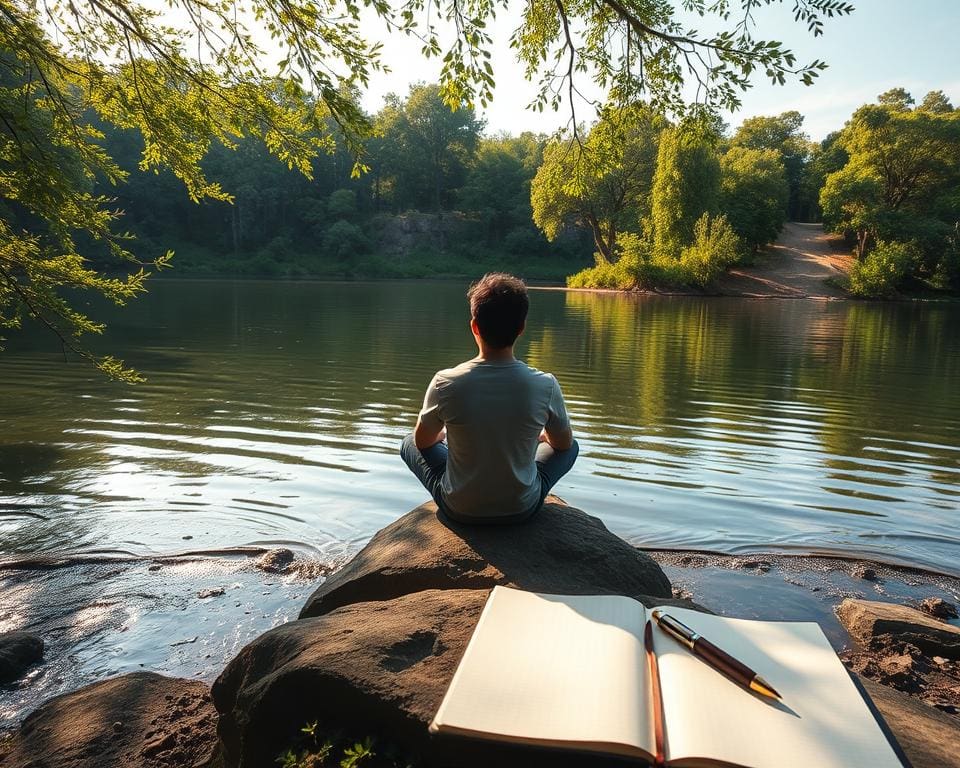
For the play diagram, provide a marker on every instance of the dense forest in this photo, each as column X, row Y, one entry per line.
column 633, row 200
column 438, row 198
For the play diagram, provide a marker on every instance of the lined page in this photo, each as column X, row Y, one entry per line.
column 823, row 720
column 553, row 669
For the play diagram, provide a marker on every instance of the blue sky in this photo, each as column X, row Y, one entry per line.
column 883, row 44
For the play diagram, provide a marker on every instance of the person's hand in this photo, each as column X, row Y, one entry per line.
column 543, row 436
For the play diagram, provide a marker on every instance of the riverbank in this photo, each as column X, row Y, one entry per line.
column 188, row 615
column 806, row 262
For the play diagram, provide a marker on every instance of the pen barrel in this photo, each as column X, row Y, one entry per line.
column 724, row 662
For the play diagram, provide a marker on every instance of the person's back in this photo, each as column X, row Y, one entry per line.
column 505, row 423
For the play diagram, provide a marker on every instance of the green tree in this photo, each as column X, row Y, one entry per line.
column 753, row 194
column 445, row 139
column 425, row 148
column 602, row 182
column 900, row 179
column 826, row 157
column 936, row 101
column 897, row 99
column 784, row 135
column 194, row 77
column 685, row 186
column 497, row 187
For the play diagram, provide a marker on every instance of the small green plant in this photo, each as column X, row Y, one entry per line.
column 319, row 747
column 358, row 754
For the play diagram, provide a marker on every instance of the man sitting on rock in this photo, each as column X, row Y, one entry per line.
column 493, row 436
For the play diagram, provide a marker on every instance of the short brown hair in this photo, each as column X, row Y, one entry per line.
column 499, row 304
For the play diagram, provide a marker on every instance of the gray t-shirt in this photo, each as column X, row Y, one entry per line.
column 494, row 412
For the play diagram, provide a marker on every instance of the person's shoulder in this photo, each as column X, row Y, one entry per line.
column 537, row 373
column 446, row 375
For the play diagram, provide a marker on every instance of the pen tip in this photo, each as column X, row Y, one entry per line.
column 761, row 686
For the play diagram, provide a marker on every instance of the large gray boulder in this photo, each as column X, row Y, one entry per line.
column 560, row 550
column 18, row 652
column 875, row 625
column 142, row 719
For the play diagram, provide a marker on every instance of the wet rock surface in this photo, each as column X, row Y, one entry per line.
column 18, row 652
column 561, row 550
column 276, row 560
column 928, row 738
column 379, row 663
column 142, row 719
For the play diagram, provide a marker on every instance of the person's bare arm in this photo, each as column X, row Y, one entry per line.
column 557, row 432
column 559, row 440
column 425, row 435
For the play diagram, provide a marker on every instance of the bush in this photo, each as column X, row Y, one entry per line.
column 882, row 270
column 343, row 240
column 342, row 204
column 947, row 274
column 715, row 247
column 631, row 270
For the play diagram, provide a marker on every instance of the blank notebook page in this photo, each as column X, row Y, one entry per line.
column 554, row 668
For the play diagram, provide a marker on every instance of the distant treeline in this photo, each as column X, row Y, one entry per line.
column 470, row 194
column 644, row 200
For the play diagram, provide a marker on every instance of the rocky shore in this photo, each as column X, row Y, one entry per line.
column 375, row 646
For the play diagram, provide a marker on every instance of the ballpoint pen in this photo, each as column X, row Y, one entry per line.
column 716, row 657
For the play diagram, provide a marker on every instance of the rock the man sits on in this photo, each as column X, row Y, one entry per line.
column 493, row 436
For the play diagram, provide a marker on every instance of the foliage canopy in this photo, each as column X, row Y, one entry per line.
column 199, row 73
column 901, row 174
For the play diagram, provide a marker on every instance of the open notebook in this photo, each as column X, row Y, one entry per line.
column 571, row 671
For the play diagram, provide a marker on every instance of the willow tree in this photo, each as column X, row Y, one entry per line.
column 199, row 72
column 686, row 185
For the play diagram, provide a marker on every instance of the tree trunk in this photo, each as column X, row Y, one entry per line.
column 863, row 241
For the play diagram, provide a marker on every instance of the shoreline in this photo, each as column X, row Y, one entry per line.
column 229, row 586
column 376, row 641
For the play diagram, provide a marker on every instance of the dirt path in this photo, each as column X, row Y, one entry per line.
column 796, row 266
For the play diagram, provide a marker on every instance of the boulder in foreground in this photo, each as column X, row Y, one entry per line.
column 874, row 624
column 928, row 738
column 142, row 719
column 375, row 669
column 560, row 550
column 18, row 652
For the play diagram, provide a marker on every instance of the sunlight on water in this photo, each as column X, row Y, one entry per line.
column 273, row 413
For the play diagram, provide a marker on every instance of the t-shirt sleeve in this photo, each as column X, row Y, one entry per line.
column 557, row 419
column 430, row 413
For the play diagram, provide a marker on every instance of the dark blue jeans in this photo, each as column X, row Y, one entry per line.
column 430, row 464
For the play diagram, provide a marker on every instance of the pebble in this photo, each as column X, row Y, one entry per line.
column 861, row 571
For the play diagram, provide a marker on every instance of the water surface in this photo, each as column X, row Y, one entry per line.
column 273, row 413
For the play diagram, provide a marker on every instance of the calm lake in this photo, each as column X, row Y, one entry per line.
column 273, row 412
